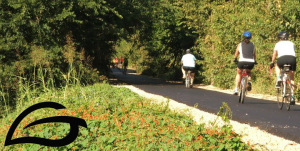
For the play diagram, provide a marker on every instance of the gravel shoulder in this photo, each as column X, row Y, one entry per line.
column 260, row 139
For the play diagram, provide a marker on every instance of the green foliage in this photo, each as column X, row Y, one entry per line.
column 213, row 29
column 118, row 119
column 47, row 42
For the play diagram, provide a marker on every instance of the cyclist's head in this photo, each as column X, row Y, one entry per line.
column 188, row 51
column 247, row 35
column 283, row 35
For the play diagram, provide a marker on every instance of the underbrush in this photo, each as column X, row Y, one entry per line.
column 119, row 119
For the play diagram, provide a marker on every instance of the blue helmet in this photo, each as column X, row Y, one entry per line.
column 247, row 34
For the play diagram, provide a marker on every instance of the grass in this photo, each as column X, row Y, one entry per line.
column 118, row 119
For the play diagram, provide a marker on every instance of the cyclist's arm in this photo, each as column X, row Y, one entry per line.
column 237, row 51
column 274, row 56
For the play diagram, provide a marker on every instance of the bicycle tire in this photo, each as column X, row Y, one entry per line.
column 280, row 98
column 187, row 81
column 242, row 91
column 288, row 96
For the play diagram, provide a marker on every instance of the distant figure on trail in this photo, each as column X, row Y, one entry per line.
column 121, row 59
column 246, row 49
column 116, row 62
column 285, row 50
column 121, row 62
column 125, row 64
column 188, row 63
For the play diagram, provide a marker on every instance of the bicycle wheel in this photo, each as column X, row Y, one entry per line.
column 242, row 90
column 187, row 80
column 287, row 98
column 280, row 98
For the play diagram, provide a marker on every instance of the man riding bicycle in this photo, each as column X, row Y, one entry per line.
column 188, row 61
column 285, row 50
column 246, row 49
column 125, row 63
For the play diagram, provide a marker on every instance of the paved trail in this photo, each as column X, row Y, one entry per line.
column 263, row 114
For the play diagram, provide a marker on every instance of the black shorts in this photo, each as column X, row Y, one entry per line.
column 189, row 68
column 245, row 65
column 291, row 60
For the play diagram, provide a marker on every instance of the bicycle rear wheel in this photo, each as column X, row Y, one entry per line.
column 280, row 98
column 287, row 98
column 242, row 91
column 188, row 80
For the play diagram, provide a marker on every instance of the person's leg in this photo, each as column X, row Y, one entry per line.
column 278, row 78
column 249, row 74
column 277, row 70
column 292, row 73
column 183, row 73
column 192, row 77
column 249, row 86
column 237, row 79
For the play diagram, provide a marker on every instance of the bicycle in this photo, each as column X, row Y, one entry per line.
column 243, row 85
column 188, row 79
column 284, row 92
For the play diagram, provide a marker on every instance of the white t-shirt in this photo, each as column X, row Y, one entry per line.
column 284, row 48
column 188, row 60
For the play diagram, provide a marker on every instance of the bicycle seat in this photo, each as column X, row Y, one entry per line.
column 286, row 67
column 245, row 66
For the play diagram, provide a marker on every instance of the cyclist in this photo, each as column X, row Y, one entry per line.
column 285, row 50
column 116, row 62
column 246, row 49
column 188, row 63
column 125, row 64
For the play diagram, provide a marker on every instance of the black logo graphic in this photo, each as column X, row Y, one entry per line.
column 73, row 121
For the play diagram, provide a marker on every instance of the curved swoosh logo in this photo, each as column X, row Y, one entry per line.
column 73, row 121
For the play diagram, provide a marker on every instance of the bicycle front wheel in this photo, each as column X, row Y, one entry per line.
column 242, row 91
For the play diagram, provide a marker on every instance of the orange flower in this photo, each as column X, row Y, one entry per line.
column 199, row 137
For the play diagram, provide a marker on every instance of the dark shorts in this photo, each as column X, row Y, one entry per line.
column 189, row 68
column 245, row 65
column 291, row 60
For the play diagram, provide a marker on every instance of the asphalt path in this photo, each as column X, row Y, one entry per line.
column 263, row 114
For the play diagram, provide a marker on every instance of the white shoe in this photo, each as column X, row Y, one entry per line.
column 235, row 91
column 278, row 83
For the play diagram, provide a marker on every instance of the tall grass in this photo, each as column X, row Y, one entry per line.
column 39, row 75
column 119, row 119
